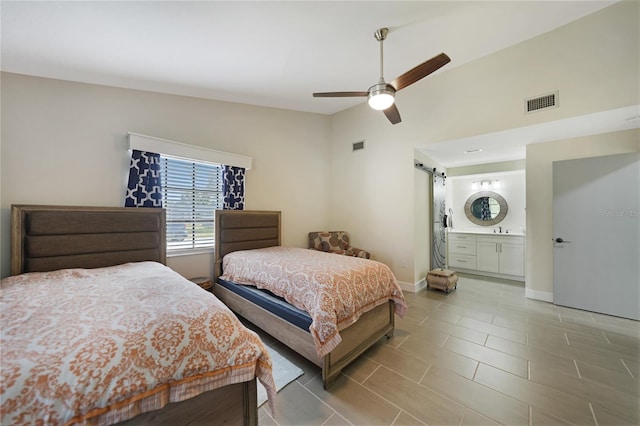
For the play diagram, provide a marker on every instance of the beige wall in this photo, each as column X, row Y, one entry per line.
column 65, row 143
column 50, row 127
column 593, row 62
column 540, row 157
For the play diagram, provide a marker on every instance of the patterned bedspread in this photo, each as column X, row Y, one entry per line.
column 103, row 345
column 333, row 289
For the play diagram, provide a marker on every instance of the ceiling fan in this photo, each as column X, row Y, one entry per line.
column 382, row 95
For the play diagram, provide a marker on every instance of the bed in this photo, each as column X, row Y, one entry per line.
column 258, row 233
column 89, row 338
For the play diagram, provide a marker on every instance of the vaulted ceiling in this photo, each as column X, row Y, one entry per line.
column 263, row 53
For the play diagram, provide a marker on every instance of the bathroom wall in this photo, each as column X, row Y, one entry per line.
column 512, row 188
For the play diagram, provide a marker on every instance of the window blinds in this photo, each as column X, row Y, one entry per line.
column 192, row 191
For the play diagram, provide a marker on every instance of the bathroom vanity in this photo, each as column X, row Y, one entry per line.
column 496, row 255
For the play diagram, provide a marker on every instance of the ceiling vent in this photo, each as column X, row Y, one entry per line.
column 358, row 145
column 543, row 102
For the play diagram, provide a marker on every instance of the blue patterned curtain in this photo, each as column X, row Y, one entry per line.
column 144, row 188
column 233, row 187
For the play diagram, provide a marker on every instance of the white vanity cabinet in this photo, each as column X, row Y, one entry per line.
column 499, row 255
column 461, row 251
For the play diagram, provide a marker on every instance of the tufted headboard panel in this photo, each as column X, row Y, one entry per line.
column 47, row 238
column 244, row 230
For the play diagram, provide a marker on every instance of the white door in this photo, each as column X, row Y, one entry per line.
column 596, row 224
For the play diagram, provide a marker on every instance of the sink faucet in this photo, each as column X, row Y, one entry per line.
column 500, row 229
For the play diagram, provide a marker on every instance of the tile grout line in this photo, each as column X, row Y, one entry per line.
column 425, row 373
column 396, row 418
column 328, row 406
column 411, row 415
column 605, row 337
column 274, row 420
column 370, row 374
column 308, row 381
column 577, row 369
column 445, row 341
column 566, row 338
column 475, row 371
column 393, row 404
column 625, row 366
column 398, row 345
column 530, row 415
column 593, row 413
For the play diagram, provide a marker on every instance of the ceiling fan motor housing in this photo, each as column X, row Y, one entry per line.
column 381, row 95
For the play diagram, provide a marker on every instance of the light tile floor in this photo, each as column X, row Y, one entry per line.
column 482, row 355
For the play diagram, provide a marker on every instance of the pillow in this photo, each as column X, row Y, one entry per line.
column 335, row 242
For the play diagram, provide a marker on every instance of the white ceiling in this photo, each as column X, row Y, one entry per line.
column 277, row 53
column 511, row 144
column 262, row 53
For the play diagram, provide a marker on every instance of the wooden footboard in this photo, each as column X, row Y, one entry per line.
column 230, row 405
column 356, row 338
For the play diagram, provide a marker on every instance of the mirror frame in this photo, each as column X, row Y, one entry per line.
column 504, row 208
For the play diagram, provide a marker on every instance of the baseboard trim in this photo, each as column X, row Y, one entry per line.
column 413, row 288
column 538, row 295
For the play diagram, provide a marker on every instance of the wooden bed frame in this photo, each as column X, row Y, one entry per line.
column 244, row 230
column 46, row 238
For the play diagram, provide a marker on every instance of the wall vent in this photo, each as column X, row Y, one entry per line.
column 543, row 102
column 358, row 145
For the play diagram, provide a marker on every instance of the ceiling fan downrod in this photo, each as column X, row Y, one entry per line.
column 381, row 95
column 381, row 36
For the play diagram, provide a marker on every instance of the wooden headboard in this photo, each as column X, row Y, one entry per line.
column 47, row 238
column 244, row 230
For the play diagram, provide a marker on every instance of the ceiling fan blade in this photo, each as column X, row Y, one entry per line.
column 393, row 114
column 339, row 94
column 421, row 71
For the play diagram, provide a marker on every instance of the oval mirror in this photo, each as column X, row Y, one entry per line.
column 486, row 208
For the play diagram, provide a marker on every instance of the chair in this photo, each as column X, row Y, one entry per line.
column 335, row 242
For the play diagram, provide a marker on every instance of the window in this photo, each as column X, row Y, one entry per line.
column 191, row 193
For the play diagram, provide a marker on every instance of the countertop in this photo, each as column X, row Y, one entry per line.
column 488, row 231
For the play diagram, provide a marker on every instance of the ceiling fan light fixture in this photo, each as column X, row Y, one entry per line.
column 381, row 96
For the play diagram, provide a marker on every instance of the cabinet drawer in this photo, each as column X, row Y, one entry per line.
column 501, row 239
column 462, row 261
column 462, row 247
column 468, row 238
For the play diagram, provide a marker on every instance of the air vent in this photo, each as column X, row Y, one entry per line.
column 358, row 145
column 538, row 103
